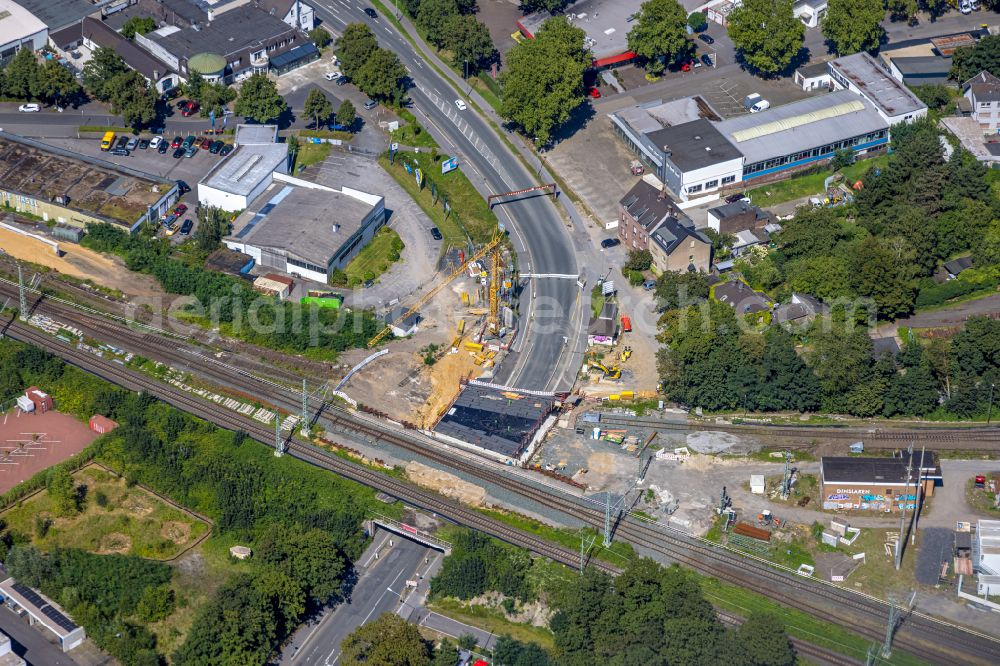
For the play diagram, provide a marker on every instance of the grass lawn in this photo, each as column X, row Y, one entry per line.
column 470, row 217
column 810, row 184
column 310, row 153
column 375, row 258
column 981, row 499
column 493, row 620
column 596, row 301
column 132, row 520
column 412, row 134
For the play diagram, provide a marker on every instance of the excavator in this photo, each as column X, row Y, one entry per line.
column 613, row 372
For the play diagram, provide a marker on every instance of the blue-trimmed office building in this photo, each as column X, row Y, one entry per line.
column 766, row 146
column 796, row 135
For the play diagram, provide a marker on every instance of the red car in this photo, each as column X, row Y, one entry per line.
column 686, row 67
column 188, row 107
column 176, row 143
column 205, row 144
column 595, row 93
column 180, row 209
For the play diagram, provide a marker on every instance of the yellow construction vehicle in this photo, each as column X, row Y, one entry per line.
column 613, row 372
column 625, row 354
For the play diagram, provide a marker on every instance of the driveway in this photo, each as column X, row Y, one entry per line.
column 953, row 315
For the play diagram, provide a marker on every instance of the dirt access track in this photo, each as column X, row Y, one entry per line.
column 81, row 263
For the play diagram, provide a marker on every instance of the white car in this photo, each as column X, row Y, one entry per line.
column 762, row 105
column 461, row 105
column 29, row 108
column 155, row 142
column 332, row 76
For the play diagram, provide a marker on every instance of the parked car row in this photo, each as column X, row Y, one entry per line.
column 183, row 147
column 170, row 218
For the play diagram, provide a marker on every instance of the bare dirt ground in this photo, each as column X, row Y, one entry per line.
column 30, row 443
column 79, row 262
column 447, row 484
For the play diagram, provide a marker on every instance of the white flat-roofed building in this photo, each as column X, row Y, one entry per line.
column 236, row 180
column 310, row 232
column 810, row 12
column 797, row 134
column 42, row 611
column 19, row 28
column 861, row 74
column 253, row 135
column 986, row 556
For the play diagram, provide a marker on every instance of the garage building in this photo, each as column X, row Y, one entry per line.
column 877, row 484
column 236, row 180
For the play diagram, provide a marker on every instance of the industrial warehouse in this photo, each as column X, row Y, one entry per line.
column 696, row 153
column 308, row 231
column 61, row 186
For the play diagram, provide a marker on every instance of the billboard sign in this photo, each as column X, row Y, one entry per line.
column 449, row 164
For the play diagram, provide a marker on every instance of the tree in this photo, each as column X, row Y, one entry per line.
column 934, row 96
column 854, row 25
column 467, row 642
column 766, row 34
column 512, row 652
column 103, row 66
column 62, row 490
column 638, row 260
column 883, row 270
column 22, row 75
column 213, row 224
column 137, row 25
column 469, row 42
column 194, row 86
column 55, row 83
column 547, row 5
column 320, row 37
column 543, row 81
column 786, row 382
column 433, row 16
column 259, row 99
column 660, row 34
column 346, row 114
column 676, row 289
column 763, row 641
column 388, row 641
column 155, row 604
column 698, row 21
column 969, row 61
column 131, row 99
column 902, row 10
column 317, row 106
column 215, row 97
column 987, row 251
column 354, row 46
column 381, row 76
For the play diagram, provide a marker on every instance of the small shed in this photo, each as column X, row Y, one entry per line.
column 42, row 400
column 240, row 552
column 102, row 424
column 25, row 404
column 275, row 285
column 757, row 484
column 402, row 326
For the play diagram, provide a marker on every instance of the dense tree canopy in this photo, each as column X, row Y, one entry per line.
column 137, row 25
column 543, row 81
column 131, row 98
column 103, row 66
column 969, row 61
column 660, row 33
column 388, row 641
column 259, row 99
column 854, row 25
column 354, row 47
column 766, row 34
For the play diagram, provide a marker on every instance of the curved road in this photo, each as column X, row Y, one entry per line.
column 552, row 309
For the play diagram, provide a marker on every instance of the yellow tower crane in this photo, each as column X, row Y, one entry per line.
column 493, row 320
column 479, row 254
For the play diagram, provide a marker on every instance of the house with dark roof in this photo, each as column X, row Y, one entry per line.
column 738, row 216
column 603, row 328
column 741, row 297
column 983, row 93
column 95, row 33
column 878, row 484
column 677, row 247
column 922, row 70
column 800, row 309
column 957, row 266
column 641, row 211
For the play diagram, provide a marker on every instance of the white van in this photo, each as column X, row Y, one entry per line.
column 965, row 6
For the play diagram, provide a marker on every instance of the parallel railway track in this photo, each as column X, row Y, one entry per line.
column 921, row 635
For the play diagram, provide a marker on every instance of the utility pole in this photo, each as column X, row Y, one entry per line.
column 585, row 546
column 895, row 615
column 989, row 413
column 786, row 480
column 902, row 511
column 607, row 519
column 279, row 445
column 918, row 495
column 304, row 430
column 22, row 292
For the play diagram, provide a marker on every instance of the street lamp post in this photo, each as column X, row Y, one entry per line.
column 989, row 412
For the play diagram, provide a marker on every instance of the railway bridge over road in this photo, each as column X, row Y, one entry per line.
column 408, row 531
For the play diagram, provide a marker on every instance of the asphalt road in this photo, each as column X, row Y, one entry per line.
column 551, row 307
column 29, row 644
column 380, row 581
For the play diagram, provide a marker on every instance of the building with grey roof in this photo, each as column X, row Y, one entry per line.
column 861, row 74
column 795, row 135
column 309, row 231
column 96, row 33
column 925, row 70
column 19, row 27
column 679, row 248
column 247, row 134
column 983, row 94
column 239, row 178
column 502, row 424
column 605, row 22
column 58, row 14
column 641, row 211
column 245, row 37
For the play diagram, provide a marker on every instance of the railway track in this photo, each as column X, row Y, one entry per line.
column 973, row 438
column 863, row 615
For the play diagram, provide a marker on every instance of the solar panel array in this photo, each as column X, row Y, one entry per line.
column 44, row 607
